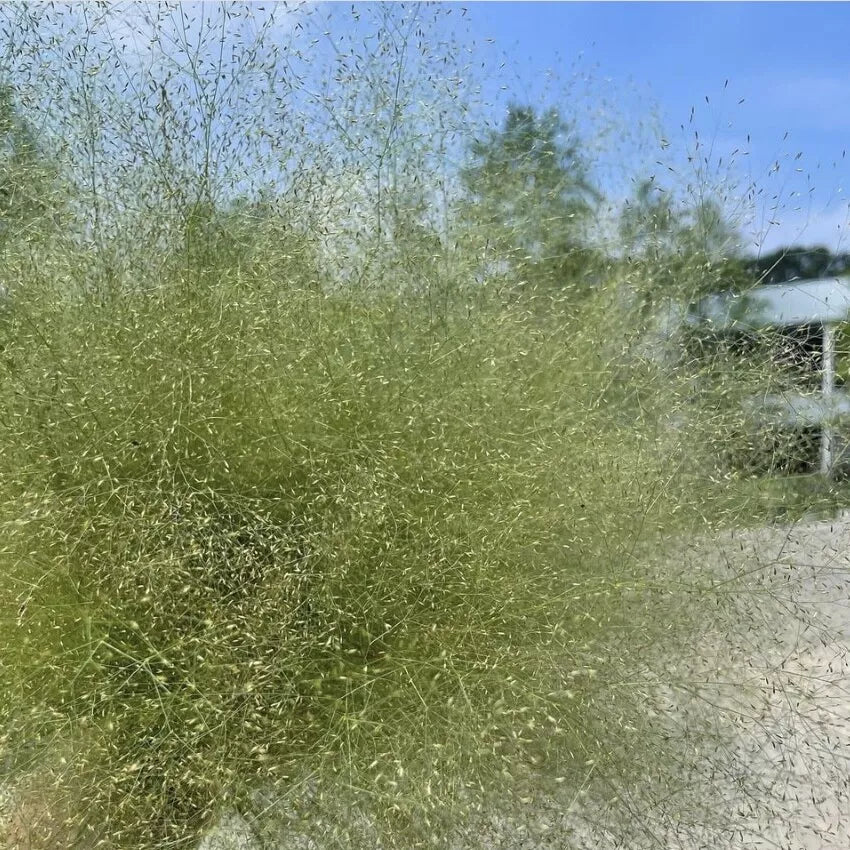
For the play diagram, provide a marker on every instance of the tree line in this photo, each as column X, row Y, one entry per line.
column 527, row 183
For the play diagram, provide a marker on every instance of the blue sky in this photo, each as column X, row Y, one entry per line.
column 788, row 62
column 748, row 103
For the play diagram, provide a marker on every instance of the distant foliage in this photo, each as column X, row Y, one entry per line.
column 799, row 263
column 530, row 190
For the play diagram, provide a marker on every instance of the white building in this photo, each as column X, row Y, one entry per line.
column 811, row 310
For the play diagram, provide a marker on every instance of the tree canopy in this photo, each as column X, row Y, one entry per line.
column 529, row 185
column 795, row 262
column 24, row 172
column 683, row 250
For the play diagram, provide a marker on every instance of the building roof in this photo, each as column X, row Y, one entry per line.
column 804, row 302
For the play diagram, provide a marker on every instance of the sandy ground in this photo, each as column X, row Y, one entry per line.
column 782, row 690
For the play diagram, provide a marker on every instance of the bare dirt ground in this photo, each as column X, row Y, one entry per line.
column 759, row 705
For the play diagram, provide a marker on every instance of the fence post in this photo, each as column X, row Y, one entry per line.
column 827, row 387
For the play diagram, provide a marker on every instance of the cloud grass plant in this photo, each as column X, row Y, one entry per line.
column 254, row 530
column 316, row 511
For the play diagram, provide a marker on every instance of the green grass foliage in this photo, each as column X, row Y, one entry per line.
column 252, row 533
column 339, row 485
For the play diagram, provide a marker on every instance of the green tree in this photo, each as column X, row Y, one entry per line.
column 25, row 177
column 795, row 262
column 528, row 189
column 649, row 222
column 708, row 232
column 680, row 252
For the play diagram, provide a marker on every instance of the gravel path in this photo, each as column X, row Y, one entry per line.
column 783, row 690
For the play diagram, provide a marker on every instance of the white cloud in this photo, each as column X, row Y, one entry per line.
column 829, row 226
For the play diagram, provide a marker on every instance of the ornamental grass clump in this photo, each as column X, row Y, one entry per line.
column 253, row 533
column 346, row 470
